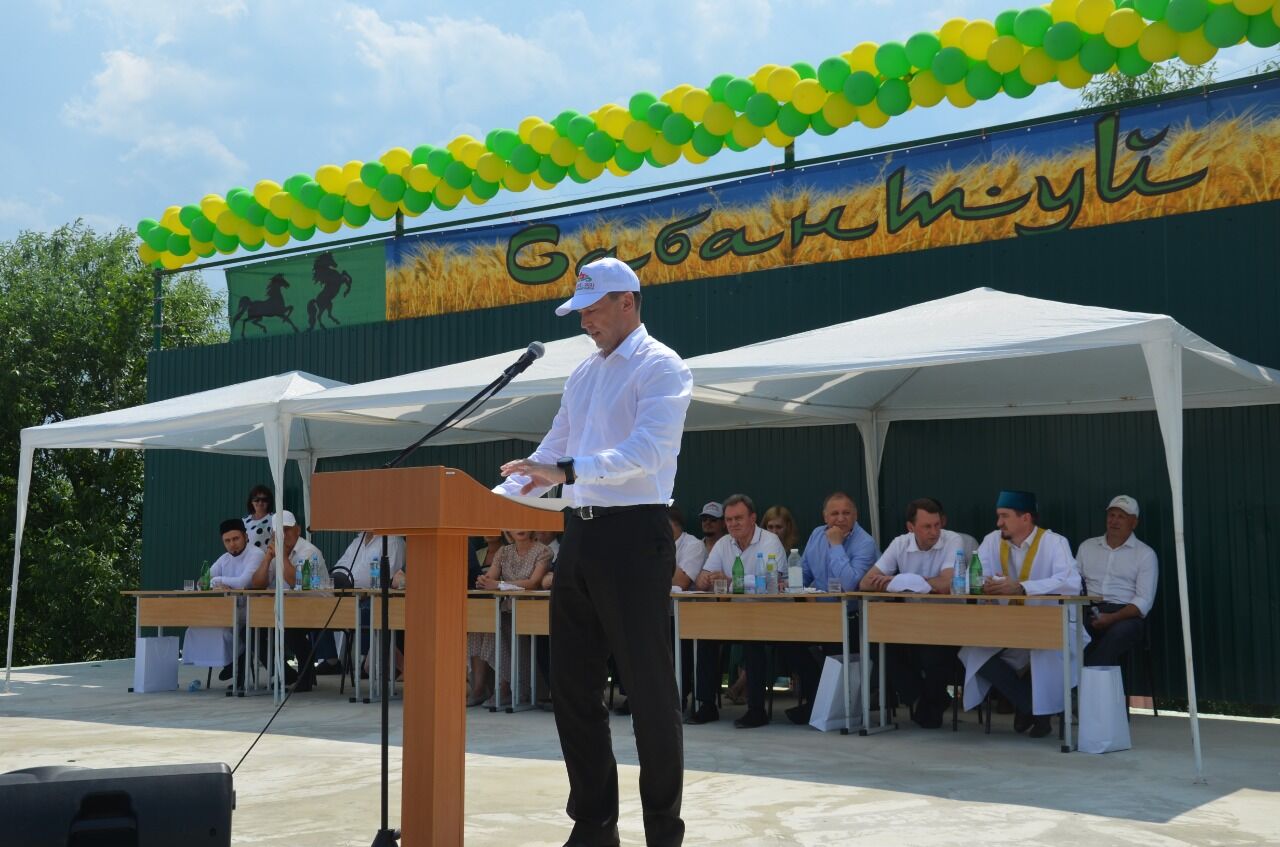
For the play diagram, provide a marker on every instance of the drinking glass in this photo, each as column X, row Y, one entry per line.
column 834, row 586
column 720, row 586
column 188, row 585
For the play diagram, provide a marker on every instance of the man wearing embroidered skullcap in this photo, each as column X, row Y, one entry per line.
column 1020, row 558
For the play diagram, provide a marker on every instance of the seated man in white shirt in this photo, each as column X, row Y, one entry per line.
column 357, row 560
column 299, row 553
column 1123, row 571
column 690, row 554
column 211, row 646
column 744, row 540
column 919, row 673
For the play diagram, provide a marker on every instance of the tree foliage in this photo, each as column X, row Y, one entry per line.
column 75, row 329
column 1116, row 88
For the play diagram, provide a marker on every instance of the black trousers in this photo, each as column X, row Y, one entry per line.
column 710, row 667
column 611, row 597
column 919, row 673
column 1014, row 686
column 1108, row 646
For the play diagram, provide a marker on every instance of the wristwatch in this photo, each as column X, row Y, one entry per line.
column 566, row 465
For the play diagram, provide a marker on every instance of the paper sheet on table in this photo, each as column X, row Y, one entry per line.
column 911, row 583
column 509, row 586
column 549, row 504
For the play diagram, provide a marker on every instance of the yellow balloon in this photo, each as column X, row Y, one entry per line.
column 282, row 205
column 396, row 159
column 976, row 38
column 692, row 156
column 170, row 218
column 277, row 240
column 587, row 167
column 1092, row 15
column 227, row 223
column 302, row 216
column 777, row 137
column 469, row 154
column 248, row 233
column 809, row 96
column 1194, row 48
column 563, row 152
column 359, row 193
column 1254, row 7
column 330, row 178
column 616, row 169
column 638, row 137
column 871, row 117
column 950, row 32
column 1158, row 42
column 1005, row 54
column 1037, row 67
column 542, row 183
column 1072, row 75
column 350, row 173
column 490, row 167
column 760, row 79
column 781, row 83
column 664, row 152
column 525, row 130
column 746, row 133
column 959, row 96
column 718, row 119
column 616, row 123
column 695, row 103
column 1063, row 10
column 1123, row 28
column 458, row 143
column 839, row 112
column 146, row 254
column 264, row 191
column 212, row 205
column 199, row 247
column 423, row 179
column 448, row 195
column 863, row 57
column 516, row 181
column 475, row 199
column 542, row 137
column 326, row 226
column 925, row 89
column 170, row 261
column 1275, row 14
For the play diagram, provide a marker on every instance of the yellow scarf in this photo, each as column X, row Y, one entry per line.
column 1027, row 562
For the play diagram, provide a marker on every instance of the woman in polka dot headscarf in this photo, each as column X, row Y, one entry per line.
column 257, row 523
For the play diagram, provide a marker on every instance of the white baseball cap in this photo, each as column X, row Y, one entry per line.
column 287, row 518
column 712, row 510
column 601, row 277
column 1124, row 503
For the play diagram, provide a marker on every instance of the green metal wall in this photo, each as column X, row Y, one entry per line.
column 1215, row 272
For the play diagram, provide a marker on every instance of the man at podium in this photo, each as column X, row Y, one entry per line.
column 613, row 445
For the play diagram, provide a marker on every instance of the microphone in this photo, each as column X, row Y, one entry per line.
column 535, row 351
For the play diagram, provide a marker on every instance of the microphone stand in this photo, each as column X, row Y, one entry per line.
column 387, row 837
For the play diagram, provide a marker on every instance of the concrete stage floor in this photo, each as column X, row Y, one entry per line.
column 314, row 779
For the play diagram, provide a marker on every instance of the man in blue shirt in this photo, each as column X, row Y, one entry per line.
column 839, row 549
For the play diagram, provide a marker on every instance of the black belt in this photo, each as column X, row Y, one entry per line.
column 587, row 513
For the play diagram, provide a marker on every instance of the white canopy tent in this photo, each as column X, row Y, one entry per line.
column 985, row 353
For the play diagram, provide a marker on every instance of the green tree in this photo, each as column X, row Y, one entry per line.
column 75, row 329
column 1115, row 88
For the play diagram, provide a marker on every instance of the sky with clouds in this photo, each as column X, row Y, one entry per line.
column 119, row 108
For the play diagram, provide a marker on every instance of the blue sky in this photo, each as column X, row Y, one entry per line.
column 119, row 108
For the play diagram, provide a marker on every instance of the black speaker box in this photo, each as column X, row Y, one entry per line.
column 163, row 806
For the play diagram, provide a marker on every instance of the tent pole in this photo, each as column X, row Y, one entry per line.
column 24, row 489
column 869, row 430
column 277, row 432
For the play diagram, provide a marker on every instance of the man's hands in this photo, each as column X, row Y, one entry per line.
column 704, row 580
column 486, row 582
column 1002, row 586
column 1103, row 620
column 539, row 473
column 875, row 580
column 836, row 536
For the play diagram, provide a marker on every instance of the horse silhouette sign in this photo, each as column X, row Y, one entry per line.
column 307, row 293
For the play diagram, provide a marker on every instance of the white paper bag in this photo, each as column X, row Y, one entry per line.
column 155, row 664
column 828, row 703
column 1104, row 727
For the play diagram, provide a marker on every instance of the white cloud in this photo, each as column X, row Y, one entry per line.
column 30, row 212
column 157, row 21
column 718, row 20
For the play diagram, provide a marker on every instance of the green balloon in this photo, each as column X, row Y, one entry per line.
column 550, row 171
column 274, row 225
column 1030, row 26
column 657, row 115
column 417, row 202
column 443, row 206
column 762, row 109
column 640, row 103
column 187, row 214
column 301, row 233
column 146, row 225
column 629, row 160
column 561, row 121
column 921, row 48
column 600, row 146
column 577, row 177
column 579, row 128
column 860, row 88
column 677, row 129
column 310, row 193
column 253, row 213
column 648, row 157
column 1130, row 61
column 1063, row 40
column 421, row 154
column 238, row 200
column 205, row 252
column 1097, row 55
column 355, row 215
column 832, row 73
column 1263, row 31
column 805, row 70
column 820, row 125
column 392, row 188
column 330, row 207
column 1225, row 26
column 1152, row 10
column 1125, row 4
column 439, row 161
column 892, row 61
column 178, row 245
column 225, row 243
column 457, row 176
column 706, row 142
column 483, row 189
column 525, row 159
column 733, row 145
column 738, row 92
column 252, row 246
column 371, row 173
column 894, row 97
column 1015, row 86
column 949, row 66
column 293, row 183
column 202, row 228
column 504, row 141
column 157, row 238
column 791, row 120
column 1186, row 15
column 717, row 86
column 1004, row 21
column 982, row 82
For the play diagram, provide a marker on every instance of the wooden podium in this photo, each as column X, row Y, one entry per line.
column 436, row 509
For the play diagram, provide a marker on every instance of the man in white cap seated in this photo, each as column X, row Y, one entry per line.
column 1123, row 571
column 301, row 557
column 1020, row 558
column 713, row 528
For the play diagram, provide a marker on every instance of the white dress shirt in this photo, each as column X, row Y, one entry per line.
column 726, row 549
column 903, row 555
column 235, row 571
column 1126, row 574
column 301, row 552
column 621, row 419
column 357, row 558
column 690, row 554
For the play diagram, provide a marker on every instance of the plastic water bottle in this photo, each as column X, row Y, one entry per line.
column 315, row 571
column 771, row 574
column 375, row 571
column 959, row 575
column 194, row 686
column 757, row 576
column 795, row 572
